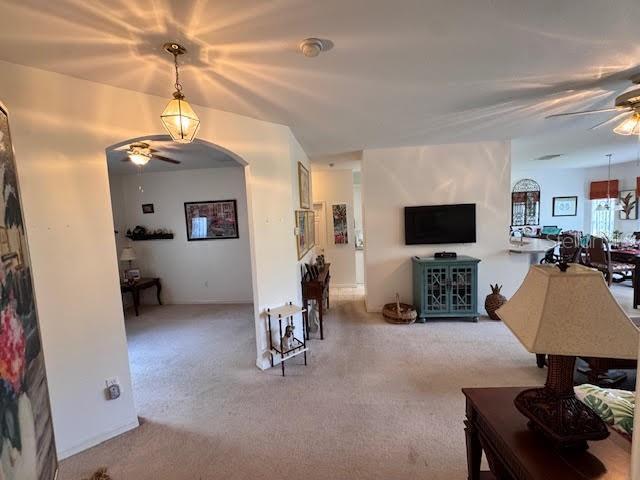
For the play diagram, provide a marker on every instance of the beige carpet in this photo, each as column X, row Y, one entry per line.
column 377, row 401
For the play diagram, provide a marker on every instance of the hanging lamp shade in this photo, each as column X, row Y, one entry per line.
column 631, row 126
column 180, row 120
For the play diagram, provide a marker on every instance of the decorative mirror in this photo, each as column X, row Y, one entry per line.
column 525, row 203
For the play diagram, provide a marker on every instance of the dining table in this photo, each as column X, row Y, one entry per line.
column 630, row 255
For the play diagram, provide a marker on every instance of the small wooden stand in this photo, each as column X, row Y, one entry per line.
column 286, row 313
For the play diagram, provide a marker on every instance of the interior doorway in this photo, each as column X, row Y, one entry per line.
column 319, row 210
column 181, row 229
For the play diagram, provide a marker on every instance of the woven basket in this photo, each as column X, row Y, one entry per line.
column 399, row 313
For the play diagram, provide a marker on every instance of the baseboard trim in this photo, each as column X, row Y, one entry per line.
column 205, row 302
column 345, row 285
column 97, row 440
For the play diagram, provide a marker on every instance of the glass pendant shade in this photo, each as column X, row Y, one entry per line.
column 180, row 120
column 139, row 158
column 631, row 126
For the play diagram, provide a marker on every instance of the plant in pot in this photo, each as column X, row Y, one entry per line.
column 494, row 301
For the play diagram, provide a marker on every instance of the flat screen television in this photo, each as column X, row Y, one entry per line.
column 440, row 224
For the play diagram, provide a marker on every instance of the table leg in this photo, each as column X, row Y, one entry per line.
column 541, row 359
column 320, row 308
column 136, row 300
column 636, row 284
column 158, row 290
column 474, row 447
column 305, row 305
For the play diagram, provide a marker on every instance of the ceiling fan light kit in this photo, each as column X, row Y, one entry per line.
column 630, row 126
column 178, row 117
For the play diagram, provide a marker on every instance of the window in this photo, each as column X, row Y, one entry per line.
column 525, row 203
column 602, row 217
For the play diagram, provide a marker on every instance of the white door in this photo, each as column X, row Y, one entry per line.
column 320, row 226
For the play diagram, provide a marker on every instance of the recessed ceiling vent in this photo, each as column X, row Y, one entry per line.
column 550, row 156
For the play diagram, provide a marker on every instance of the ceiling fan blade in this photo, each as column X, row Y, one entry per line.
column 611, row 120
column 165, row 159
column 584, row 112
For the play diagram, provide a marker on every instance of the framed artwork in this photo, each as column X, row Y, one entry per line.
column 305, row 231
column 147, row 208
column 28, row 445
column 132, row 274
column 565, row 206
column 628, row 205
column 211, row 220
column 303, row 186
column 340, row 233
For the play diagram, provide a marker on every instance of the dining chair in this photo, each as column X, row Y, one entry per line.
column 599, row 257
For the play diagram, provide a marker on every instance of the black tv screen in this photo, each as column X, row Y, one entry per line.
column 440, row 224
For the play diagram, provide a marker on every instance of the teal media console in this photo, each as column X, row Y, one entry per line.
column 445, row 287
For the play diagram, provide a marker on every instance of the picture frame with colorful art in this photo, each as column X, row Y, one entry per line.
column 211, row 220
column 340, row 225
column 27, row 435
column 305, row 232
column 304, row 186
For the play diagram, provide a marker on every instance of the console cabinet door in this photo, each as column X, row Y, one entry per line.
column 436, row 292
column 461, row 283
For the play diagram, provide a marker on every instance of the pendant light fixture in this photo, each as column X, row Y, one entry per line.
column 631, row 126
column 178, row 117
column 606, row 205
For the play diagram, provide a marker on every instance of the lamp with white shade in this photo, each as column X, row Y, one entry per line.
column 566, row 314
column 128, row 255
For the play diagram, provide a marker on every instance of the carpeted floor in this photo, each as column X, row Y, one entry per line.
column 377, row 401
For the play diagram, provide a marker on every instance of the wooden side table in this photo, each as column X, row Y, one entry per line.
column 316, row 289
column 141, row 284
column 513, row 451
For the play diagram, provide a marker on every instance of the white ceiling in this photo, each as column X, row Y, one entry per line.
column 402, row 72
column 191, row 155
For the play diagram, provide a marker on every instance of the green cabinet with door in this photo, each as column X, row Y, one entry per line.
column 445, row 287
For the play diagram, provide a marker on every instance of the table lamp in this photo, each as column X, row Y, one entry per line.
column 565, row 314
column 128, row 255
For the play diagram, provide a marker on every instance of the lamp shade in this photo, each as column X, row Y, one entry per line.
column 570, row 313
column 127, row 255
column 180, row 120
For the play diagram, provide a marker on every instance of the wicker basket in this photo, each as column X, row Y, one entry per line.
column 399, row 313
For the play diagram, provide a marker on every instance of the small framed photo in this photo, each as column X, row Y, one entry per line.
column 565, row 206
column 147, row 208
column 132, row 274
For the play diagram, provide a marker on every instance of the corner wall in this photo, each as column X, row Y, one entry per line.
column 477, row 173
column 61, row 127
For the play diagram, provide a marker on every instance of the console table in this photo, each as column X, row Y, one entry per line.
column 141, row 284
column 514, row 451
column 316, row 289
column 445, row 287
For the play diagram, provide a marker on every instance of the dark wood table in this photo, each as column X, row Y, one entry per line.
column 316, row 289
column 141, row 284
column 513, row 451
column 630, row 255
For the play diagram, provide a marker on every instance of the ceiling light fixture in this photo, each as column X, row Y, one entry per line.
column 138, row 154
column 630, row 126
column 178, row 117
column 312, row 47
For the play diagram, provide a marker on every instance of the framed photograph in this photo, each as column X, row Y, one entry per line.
column 565, row 206
column 340, row 228
column 628, row 205
column 147, row 208
column 26, row 436
column 303, row 186
column 305, row 231
column 211, row 220
column 132, row 274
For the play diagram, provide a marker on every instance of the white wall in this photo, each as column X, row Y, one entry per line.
column 557, row 182
column 334, row 187
column 443, row 174
column 208, row 271
column 61, row 127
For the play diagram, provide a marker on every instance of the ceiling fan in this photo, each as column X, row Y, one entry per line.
column 140, row 153
column 628, row 107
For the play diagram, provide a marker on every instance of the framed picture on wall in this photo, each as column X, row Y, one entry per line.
column 147, row 208
column 27, row 437
column 305, row 231
column 628, row 205
column 211, row 220
column 340, row 233
column 565, row 206
column 304, row 186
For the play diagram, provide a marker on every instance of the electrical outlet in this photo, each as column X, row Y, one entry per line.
column 113, row 388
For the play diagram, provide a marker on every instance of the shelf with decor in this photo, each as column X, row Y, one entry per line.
column 288, row 345
column 152, row 236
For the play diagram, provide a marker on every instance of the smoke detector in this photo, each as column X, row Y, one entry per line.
column 312, row 47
